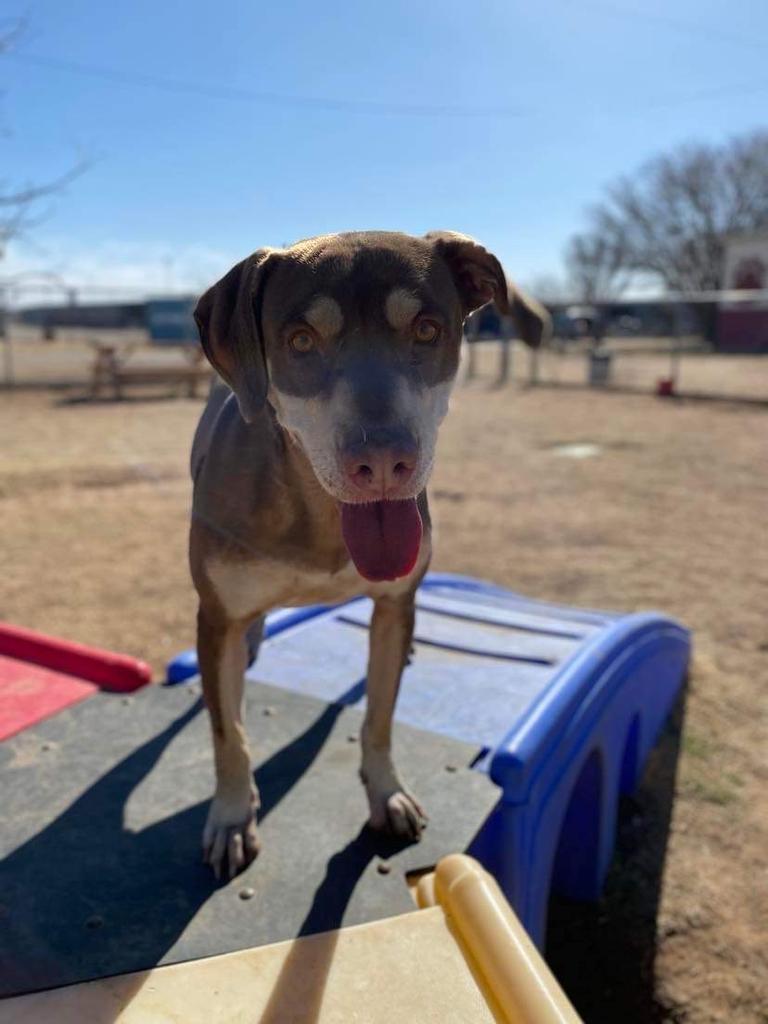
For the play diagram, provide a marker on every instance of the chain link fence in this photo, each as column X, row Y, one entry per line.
column 688, row 348
column 710, row 346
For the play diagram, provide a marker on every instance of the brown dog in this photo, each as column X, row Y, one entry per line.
column 310, row 473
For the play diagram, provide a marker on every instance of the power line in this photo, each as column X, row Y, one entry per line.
column 726, row 92
column 227, row 92
column 687, row 27
column 366, row 107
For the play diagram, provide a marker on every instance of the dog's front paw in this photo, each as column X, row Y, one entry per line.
column 230, row 831
column 393, row 809
column 399, row 814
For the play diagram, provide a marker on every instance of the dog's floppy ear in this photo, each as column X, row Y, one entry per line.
column 533, row 321
column 228, row 317
column 476, row 272
column 480, row 279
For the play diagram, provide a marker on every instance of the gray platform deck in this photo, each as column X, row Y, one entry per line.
column 101, row 815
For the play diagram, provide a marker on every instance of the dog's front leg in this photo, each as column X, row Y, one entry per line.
column 392, row 807
column 230, row 830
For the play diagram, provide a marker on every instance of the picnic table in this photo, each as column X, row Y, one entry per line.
column 115, row 367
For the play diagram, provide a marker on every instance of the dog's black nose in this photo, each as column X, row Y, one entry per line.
column 381, row 464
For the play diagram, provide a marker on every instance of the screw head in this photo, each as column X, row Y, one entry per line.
column 383, row 868
column 247, row 893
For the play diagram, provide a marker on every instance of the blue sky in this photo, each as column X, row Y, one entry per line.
column 499, row 118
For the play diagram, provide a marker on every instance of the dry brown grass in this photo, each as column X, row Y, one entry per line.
column 671, row 513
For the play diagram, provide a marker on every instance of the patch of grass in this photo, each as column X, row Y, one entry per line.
column 711, row 792
column 703, row 775
column 698, row 746
column 734, row 779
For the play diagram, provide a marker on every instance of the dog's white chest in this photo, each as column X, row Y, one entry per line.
column 246, row 588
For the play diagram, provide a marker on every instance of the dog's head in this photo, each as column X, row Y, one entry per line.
column 354, row 339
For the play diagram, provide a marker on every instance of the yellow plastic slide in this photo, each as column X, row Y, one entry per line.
column 463, row 958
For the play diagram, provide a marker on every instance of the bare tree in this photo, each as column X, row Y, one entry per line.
column 19, row 204
column 548, row 288
column 596, row 266
column 670, row 220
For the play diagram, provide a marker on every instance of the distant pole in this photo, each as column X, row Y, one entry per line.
column 8, row 361
column 8, row 370
column 471, row 351
column 504, row 358
column 674, row 348
column 469, row 343
column 533, row 367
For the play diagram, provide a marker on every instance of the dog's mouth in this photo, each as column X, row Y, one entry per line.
column 382, row 537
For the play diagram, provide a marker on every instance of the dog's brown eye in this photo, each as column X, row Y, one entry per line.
column 302, row 341
column 426, row 331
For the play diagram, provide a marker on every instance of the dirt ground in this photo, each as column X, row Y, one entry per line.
column 666, row 509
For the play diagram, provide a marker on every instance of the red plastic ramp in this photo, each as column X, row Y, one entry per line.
column 40, row 675
column 29, row 693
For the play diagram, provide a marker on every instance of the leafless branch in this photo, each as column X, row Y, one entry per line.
column 671, row 219
column 18, row 203
column 31, row 193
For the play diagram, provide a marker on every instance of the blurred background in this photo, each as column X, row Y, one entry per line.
column 614, row 156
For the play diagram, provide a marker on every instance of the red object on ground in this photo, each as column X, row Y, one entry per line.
column 29, row 693
column 111, row 671
column 665, row 387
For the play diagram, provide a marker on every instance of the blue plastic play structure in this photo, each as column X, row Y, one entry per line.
column 562, row 705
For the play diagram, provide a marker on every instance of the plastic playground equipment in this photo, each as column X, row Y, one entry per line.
column 463, row 958
column 562, row 707
column 40, row 675
column 519, row 724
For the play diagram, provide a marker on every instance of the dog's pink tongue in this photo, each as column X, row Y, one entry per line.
column 383, row 537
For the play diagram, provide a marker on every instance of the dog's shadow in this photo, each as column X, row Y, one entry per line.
column 86, row 897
